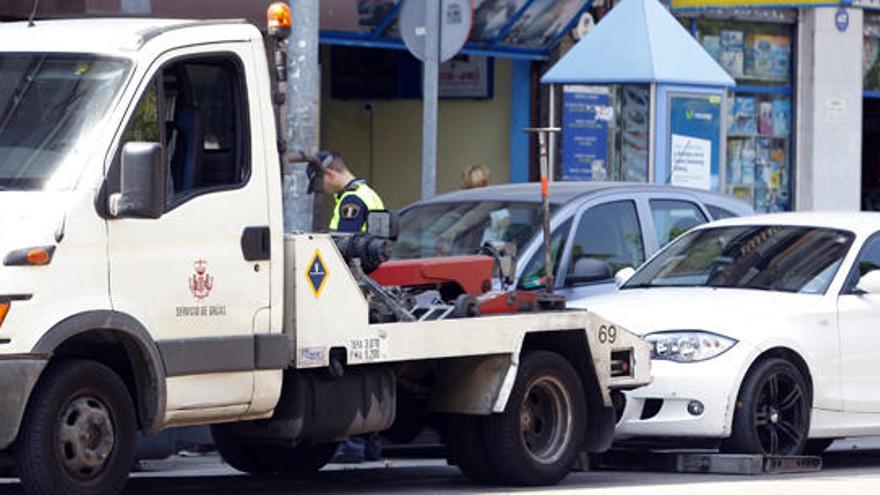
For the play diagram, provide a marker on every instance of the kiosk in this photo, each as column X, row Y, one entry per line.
column 642, row 101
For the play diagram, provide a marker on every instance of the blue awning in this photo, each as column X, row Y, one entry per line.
column 527, row 29
column 639, row 41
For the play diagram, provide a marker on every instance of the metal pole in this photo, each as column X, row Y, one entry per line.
column 429, row 90
column 303, row 100
column 544, row 163
column 551, row 166
column 652, row 135
column 545, row 205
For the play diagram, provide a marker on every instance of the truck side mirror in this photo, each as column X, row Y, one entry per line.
column 383, row 223
column 142, row 184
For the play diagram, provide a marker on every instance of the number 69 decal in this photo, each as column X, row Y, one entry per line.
column 607, row 334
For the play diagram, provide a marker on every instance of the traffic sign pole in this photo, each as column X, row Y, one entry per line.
column 429, row 99
column 433, row 31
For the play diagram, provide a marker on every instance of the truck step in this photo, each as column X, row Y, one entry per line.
column 703, row 462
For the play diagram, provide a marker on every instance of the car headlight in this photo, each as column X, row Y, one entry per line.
column 688, row 346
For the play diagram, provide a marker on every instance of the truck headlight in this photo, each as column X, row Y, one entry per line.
column 688, row 346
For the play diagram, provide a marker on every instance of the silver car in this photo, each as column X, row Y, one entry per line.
column 598, row 228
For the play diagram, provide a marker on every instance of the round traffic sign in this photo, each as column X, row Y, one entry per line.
column 456, row 19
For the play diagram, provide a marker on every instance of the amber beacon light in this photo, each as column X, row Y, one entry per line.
column 278, row 19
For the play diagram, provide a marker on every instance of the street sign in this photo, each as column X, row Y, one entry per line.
column 456, row 18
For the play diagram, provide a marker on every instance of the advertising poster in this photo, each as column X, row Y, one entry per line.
column 465, row 76
column 694, row 141
column 585, row 116
column 691, row 162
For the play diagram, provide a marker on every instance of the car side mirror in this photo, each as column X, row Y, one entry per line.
column 142, row 182
column 589, row 270
column 623, row 275
column 869, row 283
column 383, row 223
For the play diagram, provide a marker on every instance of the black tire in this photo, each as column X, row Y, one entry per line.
column 537, row 438
column 78, row 433
column 772, row 415
column 302, row 461
column 466, row 307
column 817, row 446
column 466, row 445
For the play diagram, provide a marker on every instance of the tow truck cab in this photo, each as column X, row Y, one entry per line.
column 75, row 94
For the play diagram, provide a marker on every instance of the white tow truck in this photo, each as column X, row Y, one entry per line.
column 147, row 282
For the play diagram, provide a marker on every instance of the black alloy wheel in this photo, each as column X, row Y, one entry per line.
column 772, row 411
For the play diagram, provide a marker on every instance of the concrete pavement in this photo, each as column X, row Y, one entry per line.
column 846, row 471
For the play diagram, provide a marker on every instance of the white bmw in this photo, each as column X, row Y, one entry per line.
column 766, row 334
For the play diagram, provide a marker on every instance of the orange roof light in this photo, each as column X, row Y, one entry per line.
column 278, row 19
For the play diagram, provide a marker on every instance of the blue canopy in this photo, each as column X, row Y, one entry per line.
column 639, row 41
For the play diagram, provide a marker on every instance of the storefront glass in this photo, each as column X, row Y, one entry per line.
column 605, row 132
column 759, row 132
column 871, row 52
column 871, row 113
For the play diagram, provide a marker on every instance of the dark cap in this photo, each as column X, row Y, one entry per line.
column 325, row 158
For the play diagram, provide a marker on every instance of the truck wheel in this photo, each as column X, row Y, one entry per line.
column 537, row 438
column 466, row 446
column 772, row 414
column 301, row 461
column 78, row 433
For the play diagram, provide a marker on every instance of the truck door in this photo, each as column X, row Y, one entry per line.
column 184, row 276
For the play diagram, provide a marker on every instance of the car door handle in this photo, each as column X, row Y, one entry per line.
column 256, row 243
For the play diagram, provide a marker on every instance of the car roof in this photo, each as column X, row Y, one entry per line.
column 564, row 192
column 860, row 222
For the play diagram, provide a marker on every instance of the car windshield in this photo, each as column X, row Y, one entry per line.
column 50, row 107
column 454, row 229
column 763, row 257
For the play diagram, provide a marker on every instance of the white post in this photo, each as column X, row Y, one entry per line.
column 430, row 89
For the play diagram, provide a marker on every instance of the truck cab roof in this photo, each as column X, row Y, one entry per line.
column 114, row 36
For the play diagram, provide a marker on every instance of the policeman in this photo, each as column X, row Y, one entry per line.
column 354, row 197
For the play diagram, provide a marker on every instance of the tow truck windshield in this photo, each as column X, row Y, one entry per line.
column 50, row 107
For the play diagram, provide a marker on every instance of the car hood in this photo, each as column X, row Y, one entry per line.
column 29, row 218
column 743, row 314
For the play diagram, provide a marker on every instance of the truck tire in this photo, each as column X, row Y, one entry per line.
column 297, row 462
column 772, row 415
column 78, row 433
column 537, row 438
column 466, row 446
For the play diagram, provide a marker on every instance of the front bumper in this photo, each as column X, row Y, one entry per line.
column 18, row 375
column 661, row 408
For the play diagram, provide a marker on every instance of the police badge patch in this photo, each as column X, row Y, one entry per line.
column 350, row 211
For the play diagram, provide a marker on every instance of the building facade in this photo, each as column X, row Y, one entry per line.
column 802, row 126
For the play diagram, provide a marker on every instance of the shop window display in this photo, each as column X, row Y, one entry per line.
column 759, row 144
column 871, row 53
column 605, row 132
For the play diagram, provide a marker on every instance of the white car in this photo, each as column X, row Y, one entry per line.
column 766, row 333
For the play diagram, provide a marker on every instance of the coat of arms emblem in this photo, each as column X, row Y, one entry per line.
column 201, row 283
